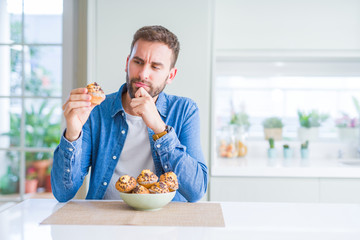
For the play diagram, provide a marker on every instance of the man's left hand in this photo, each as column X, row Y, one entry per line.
column 144, row 105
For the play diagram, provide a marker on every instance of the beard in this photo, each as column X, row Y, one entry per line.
column 153, row 92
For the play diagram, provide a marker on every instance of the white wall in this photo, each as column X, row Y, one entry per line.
column 287, row 24
column 111, row 25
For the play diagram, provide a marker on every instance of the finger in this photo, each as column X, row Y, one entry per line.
column 79, row 91
column 80, row 97
column 75, row 105
column 140, row 101
column 77, row 97
column 141, row 92
column 134, row 104
column 78, row 112
column 75, row 92
column 139, row 110
column 65, row 104
column 83, row 110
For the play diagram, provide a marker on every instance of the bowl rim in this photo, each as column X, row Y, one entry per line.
column 147, row 202
column 147, row 194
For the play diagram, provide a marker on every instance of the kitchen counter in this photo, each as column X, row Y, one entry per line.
column 257, row 167
column 242, row 221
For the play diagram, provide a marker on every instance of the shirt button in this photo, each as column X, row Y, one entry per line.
column 104, row 183
column 165, row 167
column 70, row 149
column 122, row 114
column 68, row 170
column 158, row 146
column 114, row 157
column 123, row 131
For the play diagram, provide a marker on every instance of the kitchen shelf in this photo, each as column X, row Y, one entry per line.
column 311, row 168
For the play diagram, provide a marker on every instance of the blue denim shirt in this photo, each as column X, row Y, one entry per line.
column 102, row 140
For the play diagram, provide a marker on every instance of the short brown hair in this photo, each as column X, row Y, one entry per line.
column 158, row 34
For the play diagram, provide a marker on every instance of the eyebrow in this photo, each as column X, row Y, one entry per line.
column 142, row 60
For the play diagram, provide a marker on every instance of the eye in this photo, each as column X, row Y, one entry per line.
column 137, row 62
column 155, row 67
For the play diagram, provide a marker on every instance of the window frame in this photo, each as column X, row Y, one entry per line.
column 69, row 59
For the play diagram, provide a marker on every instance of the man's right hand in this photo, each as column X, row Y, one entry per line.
column 76, row 112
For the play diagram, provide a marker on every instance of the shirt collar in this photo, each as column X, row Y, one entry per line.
column 117, row 103
column 118, row 107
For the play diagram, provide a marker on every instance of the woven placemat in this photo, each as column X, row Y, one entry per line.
column 119, row 213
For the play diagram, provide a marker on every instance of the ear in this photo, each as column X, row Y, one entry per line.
column 127, row 63
column 172, row 75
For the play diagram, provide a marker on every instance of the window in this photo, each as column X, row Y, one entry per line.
column 30, row 93
column 280, row 88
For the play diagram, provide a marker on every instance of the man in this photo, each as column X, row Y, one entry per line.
column 139, row 127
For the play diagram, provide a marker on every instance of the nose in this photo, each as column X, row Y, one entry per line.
column 144, row 72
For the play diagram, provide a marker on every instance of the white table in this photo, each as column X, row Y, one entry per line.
column 243, row 221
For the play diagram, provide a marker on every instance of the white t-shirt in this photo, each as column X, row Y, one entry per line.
column 135, row 156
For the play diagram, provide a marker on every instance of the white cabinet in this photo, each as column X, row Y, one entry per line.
column 254, row 180
column 335, row 190
column 261, row 189
column 284, row 189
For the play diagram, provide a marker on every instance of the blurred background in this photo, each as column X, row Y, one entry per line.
column 277, row 84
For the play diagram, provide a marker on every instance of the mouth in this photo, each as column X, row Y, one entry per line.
column 140, row 84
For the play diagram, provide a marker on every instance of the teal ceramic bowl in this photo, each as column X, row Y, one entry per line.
column 147, row 202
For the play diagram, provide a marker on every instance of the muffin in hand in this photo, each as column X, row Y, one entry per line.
column 97, row 94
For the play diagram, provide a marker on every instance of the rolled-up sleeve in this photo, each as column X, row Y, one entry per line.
column 182, row 154
column 68, row 173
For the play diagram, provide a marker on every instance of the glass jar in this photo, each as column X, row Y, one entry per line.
column 240, row 135
column 226, row 143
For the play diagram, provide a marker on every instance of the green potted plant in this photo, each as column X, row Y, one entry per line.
column 31, row 181
column 304, row 150
column 309, row 124
column 240, row 124
column 9, row 182
column 356, row 104
column 287, row 151
column 240, row 119
column 347, row 127
column 273, row 127
column 271, row 150
column 41, row 131
column 48, row 180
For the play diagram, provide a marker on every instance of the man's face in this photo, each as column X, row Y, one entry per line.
column 148, row 67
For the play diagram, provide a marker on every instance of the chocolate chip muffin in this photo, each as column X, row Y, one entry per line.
column 171, row 180
column 159, row 187
column 147, row 178
column 125, row 183
column 140, row 190
column 97, row 94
